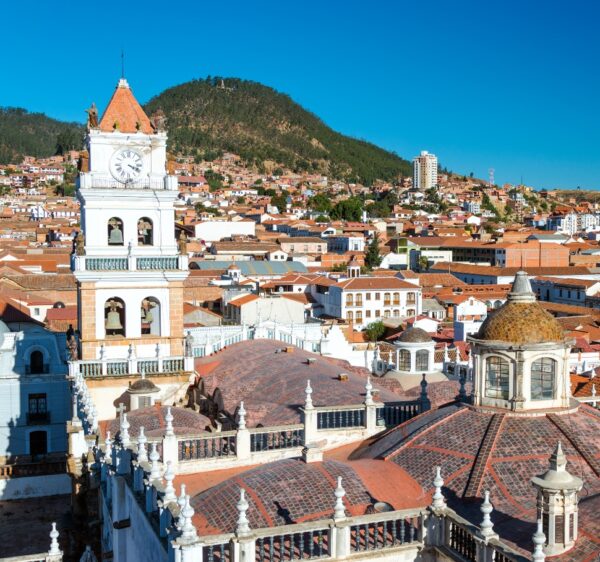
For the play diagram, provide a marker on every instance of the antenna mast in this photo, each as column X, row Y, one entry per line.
column 491, row 180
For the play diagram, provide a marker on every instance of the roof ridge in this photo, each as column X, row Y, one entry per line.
column 484, row 454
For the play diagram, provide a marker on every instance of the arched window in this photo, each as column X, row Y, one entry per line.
column 114, row 317
column 386, row 313
column 410, row 312
column 496, row 378
column 422, row 359
column 145, row 232
column 386, row 299
column 115, row 232
column 36, row 362
column 150, row 317
column 358, row 299
column 396, row 298
column 359, row 317
column 349, row 299
column 404, row 360
column 350, row 316
column 396, row 313
column 543, row 373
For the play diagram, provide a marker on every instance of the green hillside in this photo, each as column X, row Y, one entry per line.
column 207, row 117
column 34, row 134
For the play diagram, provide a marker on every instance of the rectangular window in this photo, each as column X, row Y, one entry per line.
column 368, row 314
column 368, row 296
column 377, row 313
column 496, row 378
column 37, row 404
column 377, row 296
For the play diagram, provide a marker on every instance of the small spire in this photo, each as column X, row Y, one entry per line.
column 462, row 392
column 169, row 421
column 54, row 549
column 181, row 498
column 339, row 511
column 438, row 497
column 369, row 395
column 487, row 527
column 155, row 468
column 538, row 541
column 558, row 460
column 243, row 526
column 242, row 416
column 169, row 476
column 521, row 289
column 308, row 403
column 142, row 453
column 188, row 531
column 124, row 430
column 424, row 399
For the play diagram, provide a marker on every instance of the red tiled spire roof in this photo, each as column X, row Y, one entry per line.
column 125, row 111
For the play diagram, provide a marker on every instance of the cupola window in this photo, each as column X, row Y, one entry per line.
column 496, row 378
column 543, row 372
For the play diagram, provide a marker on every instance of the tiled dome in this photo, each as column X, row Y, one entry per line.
column 521, row 319
column 415, row 335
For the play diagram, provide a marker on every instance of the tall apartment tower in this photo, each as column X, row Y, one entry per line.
column 425, row 170
column 128, row 265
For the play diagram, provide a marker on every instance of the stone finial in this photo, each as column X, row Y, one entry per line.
column 108, row 447
column 130, row 352
column 369, row 393
column 142, row 453
column 181, row 498
column 169, row 476
column 593, row 390
column 424, row 399
column 88, row 555
column 54, row 549
column 155, row 468
column 188, row 531
column 142, row 374
column 438, row 501
column 94, row 420
column 308, row 403
column 169, row 421
column 242, row 416
column 243, row 526
column 75, row 417
column 538, row 543
column 124, row 430
column 339, row 511
column 486, row 527
column 462, row 392
column 157, row 350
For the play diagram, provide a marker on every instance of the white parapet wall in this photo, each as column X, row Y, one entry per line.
column 25, row 487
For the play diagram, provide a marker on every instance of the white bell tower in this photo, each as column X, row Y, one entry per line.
column 128, row 268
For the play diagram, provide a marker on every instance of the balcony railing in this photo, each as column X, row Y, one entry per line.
column 90, row 181
column 130, row 263
column 38, row 418
column 121, row 367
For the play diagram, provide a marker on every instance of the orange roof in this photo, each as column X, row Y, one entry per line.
column 125, row 111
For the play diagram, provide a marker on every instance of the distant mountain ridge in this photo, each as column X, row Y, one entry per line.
column 34, row 134
column 214, row 115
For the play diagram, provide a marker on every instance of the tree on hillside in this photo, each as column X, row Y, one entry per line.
column 372, row 257
column 349, row 210
column 320, row 203
column 375, row 330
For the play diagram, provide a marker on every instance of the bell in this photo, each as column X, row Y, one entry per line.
column 116, row 236
column 113, row 321
column 148, row 316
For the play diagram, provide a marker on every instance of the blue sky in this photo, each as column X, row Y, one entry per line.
column 503, row 84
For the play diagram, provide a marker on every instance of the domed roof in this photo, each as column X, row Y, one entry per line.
column 281, row 493
column 415, row 335
column 143, row 386
column 521, row 319
column 456, row 438
column 185, row 421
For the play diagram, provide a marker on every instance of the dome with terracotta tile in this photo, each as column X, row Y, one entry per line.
column 414, row 335
column 293, row 491
column 521, row 320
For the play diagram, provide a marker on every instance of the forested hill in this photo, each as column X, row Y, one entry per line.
column 34, row 134
column 207, row 117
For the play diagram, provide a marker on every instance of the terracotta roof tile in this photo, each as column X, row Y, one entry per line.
column 125, row 111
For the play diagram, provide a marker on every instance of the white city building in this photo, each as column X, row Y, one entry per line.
column 425, row 170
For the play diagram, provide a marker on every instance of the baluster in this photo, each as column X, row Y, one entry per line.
column 412, row 531
column 320, row 543
column 301, row 546
column 367, row 536
column 211, row 556
column 394, row 524
column 402, row 531
column 385, row 526
column 311, row 544
column 222, row 548
column 271, row 549
column 261, row 548
column 375, row 535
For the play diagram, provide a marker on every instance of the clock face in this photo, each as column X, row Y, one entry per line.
column 126, row 165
